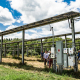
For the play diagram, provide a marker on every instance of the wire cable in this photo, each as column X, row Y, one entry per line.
column 69, row 23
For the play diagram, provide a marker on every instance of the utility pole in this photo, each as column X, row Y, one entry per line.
column 54, row 59
column 73, row 45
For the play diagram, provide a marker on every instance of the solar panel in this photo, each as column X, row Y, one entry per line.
column 54, row 19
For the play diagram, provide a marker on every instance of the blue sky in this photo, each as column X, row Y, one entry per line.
column 14, row 13
column 6, row 4
column 68, row 1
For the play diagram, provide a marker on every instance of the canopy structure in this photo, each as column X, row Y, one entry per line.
column 42, row 22
column 68, row 34
column 69, row 15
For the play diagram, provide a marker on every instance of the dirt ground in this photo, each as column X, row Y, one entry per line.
column 79, row 65
column 33, row 61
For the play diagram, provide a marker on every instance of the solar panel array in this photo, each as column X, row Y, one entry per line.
column 42, row 22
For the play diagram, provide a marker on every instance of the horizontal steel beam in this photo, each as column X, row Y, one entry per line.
column 54, row 19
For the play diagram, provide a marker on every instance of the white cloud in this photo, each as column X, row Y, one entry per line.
column 0, row 30
column 31, row 30
column 37, row 10
column 6, row 17
column 18, row 20
column 11, row 27
column 75, row 4
column 77, row 26
column 32, row 36
column 14, row 35
column 19, row 35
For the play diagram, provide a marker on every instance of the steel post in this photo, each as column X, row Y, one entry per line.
column 1, row 50
column 14, row 53
column 65, row 42
column 53, row 36
column 54, row 60
column 5, row 51
column 73, row 45
column 27, row 52
column 18, row 50
column 66, row 47
column 41, row 46
column 31, row 52
column 23, row 35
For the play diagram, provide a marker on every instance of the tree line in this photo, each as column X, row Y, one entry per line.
column 33, row 48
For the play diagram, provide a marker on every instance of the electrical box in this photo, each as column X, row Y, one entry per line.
column 71, row 50
column 71, row 60
column 52, row 52
column 65, row 60
column 59, row 52
column 65, row 50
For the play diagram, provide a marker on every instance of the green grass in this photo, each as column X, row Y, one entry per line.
column 8, row 71
column 12, row 74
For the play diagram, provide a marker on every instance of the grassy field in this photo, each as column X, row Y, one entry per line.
column 12, row 69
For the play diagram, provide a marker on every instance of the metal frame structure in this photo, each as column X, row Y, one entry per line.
column 36, row 43
column 73, row 44
column 61, row 17
column 54, row 19
column 43, row 38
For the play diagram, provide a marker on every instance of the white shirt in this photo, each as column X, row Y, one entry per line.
column 45, row 55
column 48, row 53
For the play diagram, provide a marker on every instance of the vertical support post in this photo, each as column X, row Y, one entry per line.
column 65, row 42
column 41, row 46
column 5, row 51
column 53, row 36
column 23, row 35
column 45, row 48
column 54, row 60
column 41, row 49
column 35, row 51
column 27, row 52
column 18, row 50
column 66, row 47
column 14, row 52
column 73, row 45
column 79, row 46
column 31, row 52
column 1, row 48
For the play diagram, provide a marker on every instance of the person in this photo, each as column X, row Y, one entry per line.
column 50, row 60
column 42, row 55
column 79, row 54
column 45, row 58
column 48, row 57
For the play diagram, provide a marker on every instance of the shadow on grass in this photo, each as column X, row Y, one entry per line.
column 69, row 73
column 23, row 66
column 40, row 60
column 29, row 67
column 14, row 58
column 25, row 59
column 72, row 73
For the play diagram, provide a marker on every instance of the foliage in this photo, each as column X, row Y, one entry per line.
column 34, row 47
